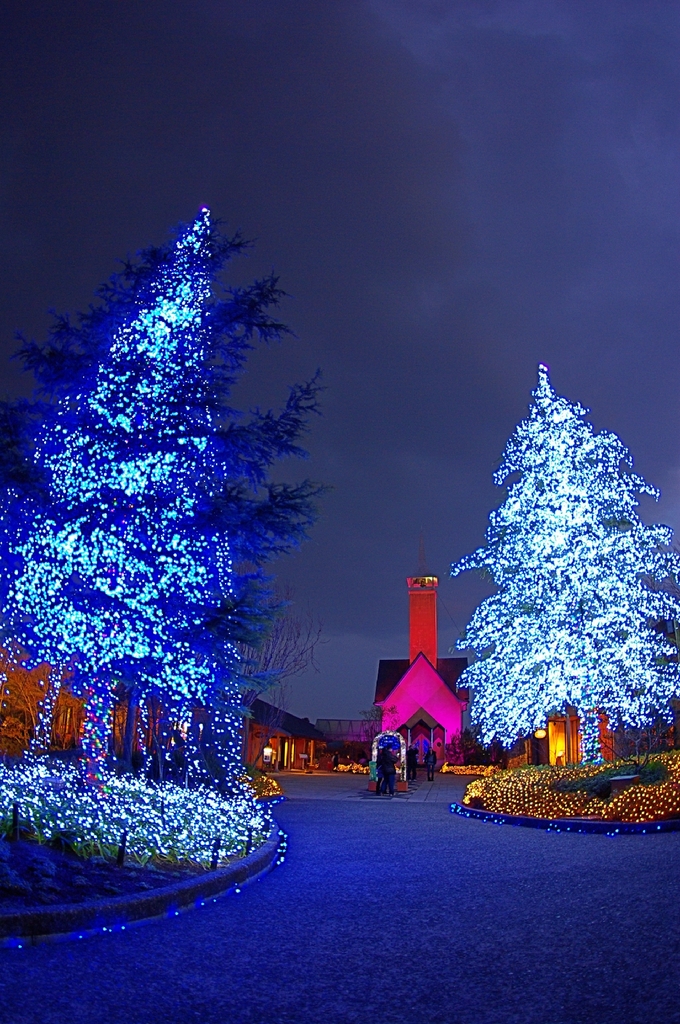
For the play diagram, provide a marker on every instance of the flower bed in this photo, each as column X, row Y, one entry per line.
column 37, row 874
column 263, row 785
column 547, row 791
column 163, row 824
column 469, row 769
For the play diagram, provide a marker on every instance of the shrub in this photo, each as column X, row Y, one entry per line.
column 163, row 822
column 600, row 786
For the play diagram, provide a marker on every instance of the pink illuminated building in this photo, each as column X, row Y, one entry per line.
column 419, row 697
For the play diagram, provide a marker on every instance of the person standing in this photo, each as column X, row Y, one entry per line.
column 389, row 769
column 336, row 761
column 431, row 762
column 411, row 763
column 379, row 772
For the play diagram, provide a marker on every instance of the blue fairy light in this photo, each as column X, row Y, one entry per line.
column 158, row 492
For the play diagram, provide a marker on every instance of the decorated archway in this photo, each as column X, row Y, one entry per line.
column 390, row 738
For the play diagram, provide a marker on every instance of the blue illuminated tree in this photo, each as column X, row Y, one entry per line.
column 580, row 583
column 140, row 510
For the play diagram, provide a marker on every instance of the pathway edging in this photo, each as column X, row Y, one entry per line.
column 68, row 921
column 582, row 825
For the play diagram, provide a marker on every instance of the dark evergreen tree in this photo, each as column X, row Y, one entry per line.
column 139, row 508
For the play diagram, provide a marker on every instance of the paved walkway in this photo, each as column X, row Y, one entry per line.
column 391, row 912
column 343, row 786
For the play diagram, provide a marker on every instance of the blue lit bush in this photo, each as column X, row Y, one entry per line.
column 163, row 823
column 138, row 511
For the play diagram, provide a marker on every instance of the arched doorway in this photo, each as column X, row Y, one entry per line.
column 424, row 731
column 393, row 739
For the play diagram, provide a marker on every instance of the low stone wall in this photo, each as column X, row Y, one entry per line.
column 77, row 921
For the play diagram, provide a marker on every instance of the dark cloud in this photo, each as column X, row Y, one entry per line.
column 451, row 193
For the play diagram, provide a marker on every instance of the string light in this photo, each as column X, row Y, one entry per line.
column 264, row 786
column 163, row 822
column 572, row 620
column 127, row 570
column 531, row 791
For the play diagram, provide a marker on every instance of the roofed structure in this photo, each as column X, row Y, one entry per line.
column 390, row 671
column 419, row 695
column 345, row 730
column 266, row 714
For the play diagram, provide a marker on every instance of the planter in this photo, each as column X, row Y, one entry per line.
column 106, row 915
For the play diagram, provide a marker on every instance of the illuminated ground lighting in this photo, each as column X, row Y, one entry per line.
column 161, row 821
column 529, row 792
column 575, row 825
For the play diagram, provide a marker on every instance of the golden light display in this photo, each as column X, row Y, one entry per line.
column 530, row 791
column 354, row 768
column 263, row 785
column 469, row 769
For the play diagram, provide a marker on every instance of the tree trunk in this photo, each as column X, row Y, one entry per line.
column 675, row 707
column 590, row 730
column 219, row 745
column 130, row 727
column 96, row 731
column 44, row 713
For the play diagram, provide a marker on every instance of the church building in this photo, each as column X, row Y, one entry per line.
column 419, row 696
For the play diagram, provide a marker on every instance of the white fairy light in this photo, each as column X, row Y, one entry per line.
column 573, row 619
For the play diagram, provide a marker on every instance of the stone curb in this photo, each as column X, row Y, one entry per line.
column 109, row 915
column 582, row 825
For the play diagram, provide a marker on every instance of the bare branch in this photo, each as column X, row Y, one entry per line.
column 288, row 650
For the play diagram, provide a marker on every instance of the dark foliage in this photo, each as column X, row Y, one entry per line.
column 467, row 749
column 233, row 493
column 600, row 785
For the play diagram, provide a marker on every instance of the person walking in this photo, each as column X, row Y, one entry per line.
column 431, row 762
column 389, row 770
column 411, row 763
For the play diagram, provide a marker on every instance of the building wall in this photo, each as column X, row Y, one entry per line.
column 423, row 687
column 286, row 749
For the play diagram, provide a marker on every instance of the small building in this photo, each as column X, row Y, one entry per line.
column 338, row 732
column 349, row 738
column 419, row 696
column 276, row 740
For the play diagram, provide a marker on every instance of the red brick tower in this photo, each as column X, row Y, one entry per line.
column 422, row 611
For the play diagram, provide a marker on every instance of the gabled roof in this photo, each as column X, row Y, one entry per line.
column 451, row 669
column 391, row 670
column 268, row 715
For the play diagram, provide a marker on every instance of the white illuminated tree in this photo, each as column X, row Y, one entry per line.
column 573, row 619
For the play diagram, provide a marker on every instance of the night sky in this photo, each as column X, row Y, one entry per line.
column 450, row 191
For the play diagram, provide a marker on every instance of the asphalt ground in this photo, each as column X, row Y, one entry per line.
column 389, row 911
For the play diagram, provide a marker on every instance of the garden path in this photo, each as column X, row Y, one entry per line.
column 390, row 911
